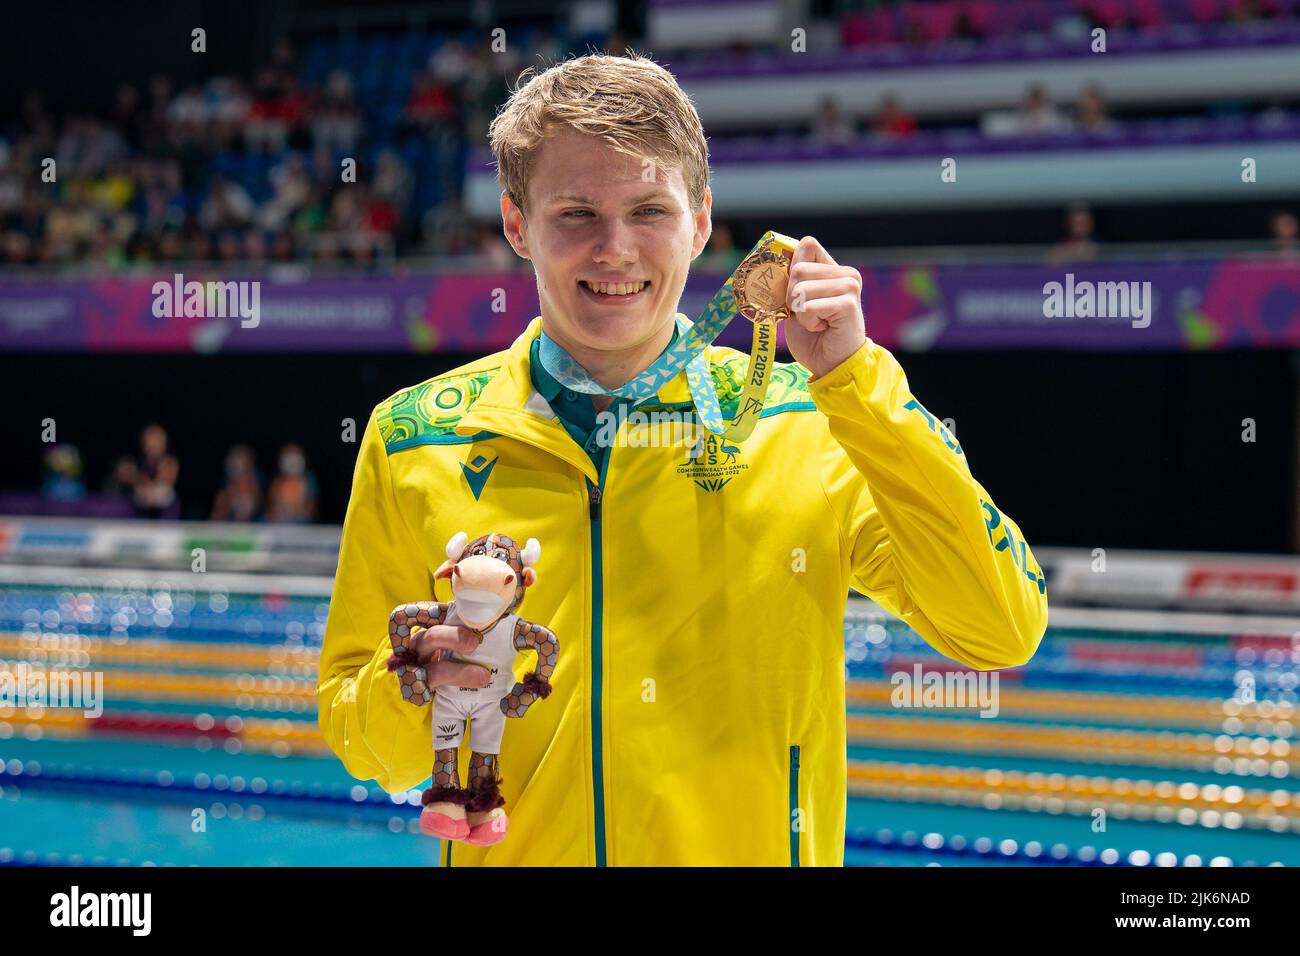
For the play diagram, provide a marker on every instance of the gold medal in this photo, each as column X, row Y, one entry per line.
column 760, row 282
column 759, row 287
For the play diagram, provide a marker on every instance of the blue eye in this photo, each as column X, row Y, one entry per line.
column 655, row 209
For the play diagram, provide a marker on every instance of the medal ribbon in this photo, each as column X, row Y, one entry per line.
column 688, row 352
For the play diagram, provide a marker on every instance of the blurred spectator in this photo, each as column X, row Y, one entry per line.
column 325, row 249
column 1078, row 244
column 892, row 120
column 155, row 478
column 450, row 63
column 337, row 120
column 830, row 125
column 282, row 248
column 447, row 229
column 265, row 128
column 482, row 91
column 229, row 248
column 240, row 495
column 1091, row 111
column 254, row 247
column 188, row 113
column 62, row 480
column 393, row 180
column 430, row 103
column 292, row 189
column 227, row 205
column 496, row 254
column 279, row 110
column 283, row 57
column 1245, row 11
column 155, row 120
column 129, row 117
column 292, row 496
column 1284, row 231
column 228, row 107
column 121, row 480
column 158, row 209
column 720, row 254
column 1037, row 115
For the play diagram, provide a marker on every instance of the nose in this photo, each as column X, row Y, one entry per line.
column 614, row 244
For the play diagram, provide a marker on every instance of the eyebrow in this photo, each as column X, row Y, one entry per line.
column 635, row 201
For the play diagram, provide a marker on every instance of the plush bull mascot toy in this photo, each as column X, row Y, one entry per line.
column 488, row 578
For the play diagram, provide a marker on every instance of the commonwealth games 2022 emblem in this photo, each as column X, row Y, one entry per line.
column 715, row 465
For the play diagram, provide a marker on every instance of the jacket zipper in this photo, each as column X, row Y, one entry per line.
column 595, row 495
column 792, row 820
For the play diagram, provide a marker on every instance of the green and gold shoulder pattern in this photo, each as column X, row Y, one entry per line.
column 428, row 413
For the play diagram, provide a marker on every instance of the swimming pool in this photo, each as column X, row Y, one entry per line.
column 1178, row 728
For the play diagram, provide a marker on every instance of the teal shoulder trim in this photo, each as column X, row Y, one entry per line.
column 428, row 413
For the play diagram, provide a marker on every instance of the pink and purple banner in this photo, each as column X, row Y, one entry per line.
column 1226, row 303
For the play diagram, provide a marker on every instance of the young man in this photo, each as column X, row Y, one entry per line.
column 698, row 709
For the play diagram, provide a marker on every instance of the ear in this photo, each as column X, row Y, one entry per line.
column 530, row 577
column 444, row 570
column 514, row 226
column 703, row 224
column 456, row 546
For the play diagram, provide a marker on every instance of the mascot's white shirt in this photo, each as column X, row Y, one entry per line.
column 497, row 651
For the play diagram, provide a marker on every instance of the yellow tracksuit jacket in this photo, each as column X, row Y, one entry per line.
column 698, row 711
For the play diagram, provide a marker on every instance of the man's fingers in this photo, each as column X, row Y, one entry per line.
column 808, row 290
column 821, row 270
column 468, row 640
column 449, row 637
column 810, row 250
column 445, row 673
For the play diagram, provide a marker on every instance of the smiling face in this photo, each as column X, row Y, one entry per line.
column 611, row 239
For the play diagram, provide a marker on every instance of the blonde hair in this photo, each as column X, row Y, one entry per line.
column 631, row 103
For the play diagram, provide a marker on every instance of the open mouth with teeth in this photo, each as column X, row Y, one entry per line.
column 614, row 291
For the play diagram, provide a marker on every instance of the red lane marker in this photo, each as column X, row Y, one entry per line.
column 1266, row 642
column 1186, row 657
column 162, row 726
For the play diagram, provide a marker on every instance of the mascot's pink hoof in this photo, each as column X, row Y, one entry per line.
column 489, row 831
column 435, row 824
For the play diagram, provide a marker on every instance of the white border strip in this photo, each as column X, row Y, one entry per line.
column 226, row 581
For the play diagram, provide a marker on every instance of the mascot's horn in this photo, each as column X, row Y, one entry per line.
column 456, row 546
column 532, row 551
